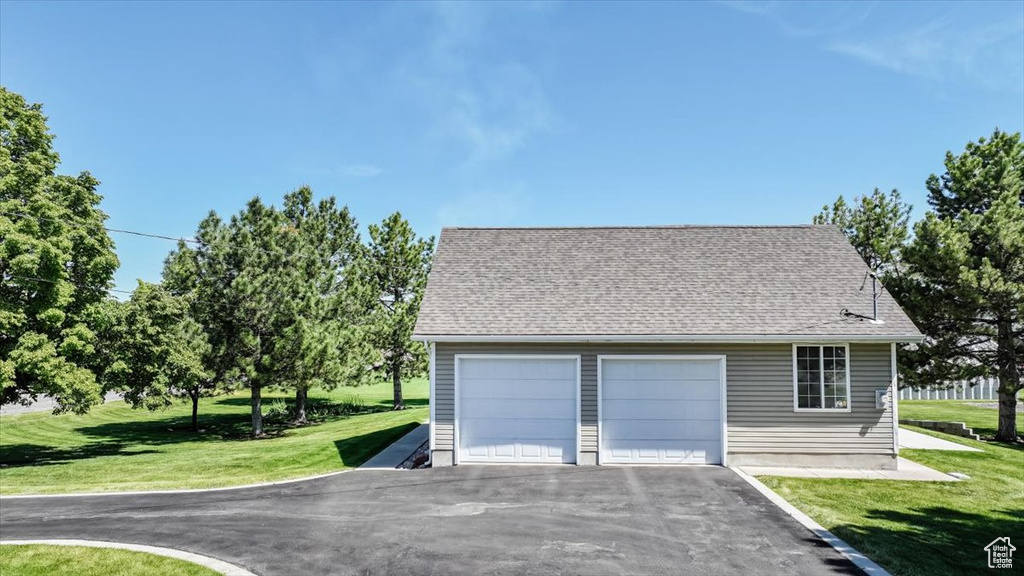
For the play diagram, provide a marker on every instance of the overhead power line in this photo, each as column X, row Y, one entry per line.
column 146, row 234
column 100, row 227
column 33, row 279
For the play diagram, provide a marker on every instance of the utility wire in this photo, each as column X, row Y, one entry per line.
column 287, row 257
column 68, row 281
column 100, row 227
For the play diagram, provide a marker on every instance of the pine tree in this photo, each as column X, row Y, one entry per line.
column 966, row 288
column 396, row 272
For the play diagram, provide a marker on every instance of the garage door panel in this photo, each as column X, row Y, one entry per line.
column 513, row 428
column 517, row 409
column 663, row 452
column 517, row 368
column 507, row 408
column 660, row 370
column 504, row 388
column 661, row 411
column 684, row 430
column 704, row 388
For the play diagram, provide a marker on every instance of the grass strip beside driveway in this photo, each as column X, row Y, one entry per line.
column 46, row 560
column 923, row 528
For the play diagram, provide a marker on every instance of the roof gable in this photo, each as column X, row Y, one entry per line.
column 714, row 281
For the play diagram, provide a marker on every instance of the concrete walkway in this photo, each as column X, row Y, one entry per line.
column 906, row 470
column 918, row 441
column 393, row 456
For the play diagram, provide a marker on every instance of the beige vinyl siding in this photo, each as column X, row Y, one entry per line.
column 588, row 403
column 759, row 392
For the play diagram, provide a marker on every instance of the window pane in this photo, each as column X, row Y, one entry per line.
column 841, row 365
column 841, row 390
column 841, row 402
column 830, row 402
column 814, row 402
column 838, row 352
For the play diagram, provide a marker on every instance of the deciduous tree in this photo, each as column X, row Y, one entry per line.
column 56, row 266
column 160, row 352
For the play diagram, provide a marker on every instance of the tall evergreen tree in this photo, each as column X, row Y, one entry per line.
column 966, row 289
column 322, row 346
column 396, row 272
column 56, row 266
column 270, row 288
column 877, row 226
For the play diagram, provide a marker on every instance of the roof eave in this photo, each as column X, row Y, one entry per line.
column 669, row 338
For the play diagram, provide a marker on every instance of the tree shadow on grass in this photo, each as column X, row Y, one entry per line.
column 356, row 450
column 380, row 405
column 933, row 540
column 19, row 455
column 131, row 437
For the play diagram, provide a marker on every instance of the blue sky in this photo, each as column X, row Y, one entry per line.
column 509, row 114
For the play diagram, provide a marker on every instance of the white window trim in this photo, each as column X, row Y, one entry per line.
column 433, row 396
column 579, row 392
column 796, row 397
column 724, row 411
column 894, row 399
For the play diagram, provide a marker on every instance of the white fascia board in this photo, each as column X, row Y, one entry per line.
column 667, row 338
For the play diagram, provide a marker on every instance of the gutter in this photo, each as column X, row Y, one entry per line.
column 669, row 338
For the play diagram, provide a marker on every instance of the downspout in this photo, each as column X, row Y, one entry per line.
column 433, row 418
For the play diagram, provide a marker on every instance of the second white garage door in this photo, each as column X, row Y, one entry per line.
column 517, row 409
column 661, row 410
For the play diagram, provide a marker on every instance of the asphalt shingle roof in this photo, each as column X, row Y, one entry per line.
column 664, row 281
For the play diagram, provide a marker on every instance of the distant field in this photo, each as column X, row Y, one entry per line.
column 982, row 416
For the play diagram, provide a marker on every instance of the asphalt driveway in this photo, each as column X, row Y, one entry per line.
column 463, row 520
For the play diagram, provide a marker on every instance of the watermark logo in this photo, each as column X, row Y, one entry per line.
column 1000, row 553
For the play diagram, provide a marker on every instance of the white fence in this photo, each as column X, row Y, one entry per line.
column 979, row 389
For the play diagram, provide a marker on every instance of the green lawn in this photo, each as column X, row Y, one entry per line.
column 983, row 420
column 925, row 528
column 42, row 560
column 116, row 448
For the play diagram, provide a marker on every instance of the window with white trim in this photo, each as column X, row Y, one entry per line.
column 822, row 378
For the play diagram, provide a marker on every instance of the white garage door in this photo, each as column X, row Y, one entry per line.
column 661, row 411
column 517, row 409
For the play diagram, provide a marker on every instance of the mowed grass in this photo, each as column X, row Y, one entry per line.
column 116, row 448
column 43, row 560
column 925, row 528
column 982, row 419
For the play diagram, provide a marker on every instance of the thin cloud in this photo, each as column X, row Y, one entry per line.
column 957, row 44
column 808, row 20
column 991, row 55
column 360, row 170
column 488, row 107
